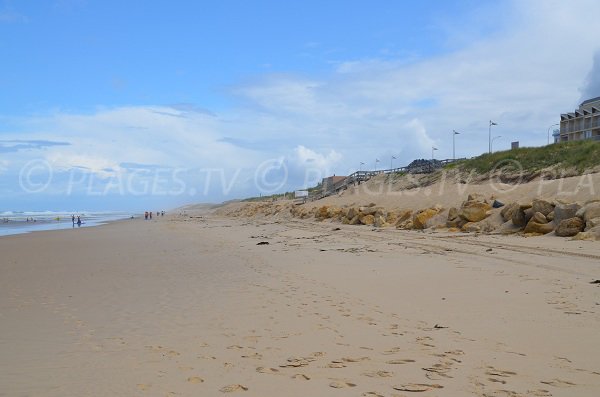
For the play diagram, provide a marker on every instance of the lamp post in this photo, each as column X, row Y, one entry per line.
column 376, row 161
column 454, row 134
column 492, row 142
column 360, row 166
column 553, row 125
column 490, row 134
column 433, row 148
column 392, row 162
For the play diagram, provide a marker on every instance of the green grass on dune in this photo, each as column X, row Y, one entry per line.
column 579, row 155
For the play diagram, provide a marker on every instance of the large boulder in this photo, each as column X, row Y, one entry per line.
column 508, row 210
column 569, row 227
column 380, row 221
column 534, row 227
column 322, row 212
column 476, row 197
column 539, row 218
column 367, row 220
column 542, row 206
column 593, row 234
column 420, row 218
column 474, row 211
column 355, row 220
column 592, row 223
column 367, row 210
column 352, row 212
column 518, row 217
column 471, row 227
column 565, row 211
column 591, row 210
column 402, row 217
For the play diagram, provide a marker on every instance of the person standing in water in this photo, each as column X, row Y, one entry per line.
column 78, row 221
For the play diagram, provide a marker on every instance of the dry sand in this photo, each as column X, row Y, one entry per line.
column 194, row 307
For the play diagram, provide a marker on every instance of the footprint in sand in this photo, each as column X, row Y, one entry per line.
column 372, row 394
column 499, row 373
column 233, row 388
column 265, row 370
column 539, row 393
column 378, row 374
column 143, row 386
column 195, row 379
column 558, row 383
column 417, row 387
column 338, row 384
column 401, row 361
column 336, row 364
column 301, row 377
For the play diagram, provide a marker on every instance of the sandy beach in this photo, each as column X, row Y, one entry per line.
column 203, row 306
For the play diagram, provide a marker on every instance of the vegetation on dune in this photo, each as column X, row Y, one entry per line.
column 578, row 155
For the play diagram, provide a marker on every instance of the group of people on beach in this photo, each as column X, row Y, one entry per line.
column 78, row 220
column 148, row 214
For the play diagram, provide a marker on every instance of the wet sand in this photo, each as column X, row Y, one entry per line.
column 195, row 306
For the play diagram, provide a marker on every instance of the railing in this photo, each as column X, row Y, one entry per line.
column 361, row 176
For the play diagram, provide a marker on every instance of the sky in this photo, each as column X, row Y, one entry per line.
column 112, row 105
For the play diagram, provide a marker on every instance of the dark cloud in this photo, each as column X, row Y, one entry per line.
column 10, row 146
column 591, row 88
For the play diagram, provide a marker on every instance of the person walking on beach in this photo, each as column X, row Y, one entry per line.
column 150, row 214
column 146, row 215
column 73, row 219
column 78, row 221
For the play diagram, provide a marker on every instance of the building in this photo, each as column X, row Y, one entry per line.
column 583, row 123
column 329, row 184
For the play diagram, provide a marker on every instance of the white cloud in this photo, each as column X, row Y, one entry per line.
column 521, row 76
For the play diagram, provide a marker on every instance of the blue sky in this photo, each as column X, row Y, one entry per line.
column 142, row 103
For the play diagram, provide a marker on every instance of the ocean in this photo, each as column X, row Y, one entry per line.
column 15, row 222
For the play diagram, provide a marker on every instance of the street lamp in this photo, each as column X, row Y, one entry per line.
column 553, row 125
column 490, row 134
column 492, row 142
column 360, row 166
column 376, row 161
column 433, row 148
column 454, row 134
column 392, row 162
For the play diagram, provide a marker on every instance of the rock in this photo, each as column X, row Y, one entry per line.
column 591, row 210
column 352, row 212
column 508, row 228
column 497, row 204
column 452, row 214
column 355, row 220
column 322, row 212
column 471, row 227
column 403, row 216
column 542, row 206
column 371, row 205
column 456, row 223
column 380, row 221
column 476, row 197
column 345, row 221
column 550, row 216
column 518, row 217
column 453, row 229
column 420, row 218
column 367, row 210
column 534, row 227
column 539, row 218
column 593, row 234
column 592, row 223
column 528, row 214
column 334, row 212
column 408, row 224
column 391, row 217
column 474, row 211
column 565, row 211
column 569, row 227
column 367, row 220
column 507, row 211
